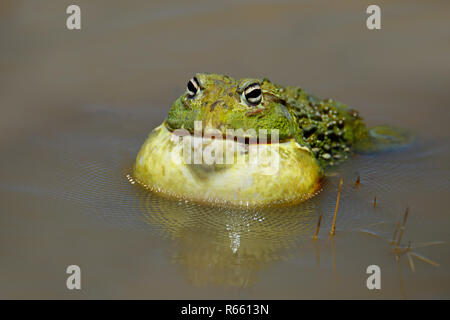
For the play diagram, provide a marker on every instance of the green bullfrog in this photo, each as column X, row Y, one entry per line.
column 250, row 142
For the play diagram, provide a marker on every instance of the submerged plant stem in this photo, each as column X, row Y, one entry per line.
column 395, row 232
column 357, row 182
column 318, row 227
column 402, row 228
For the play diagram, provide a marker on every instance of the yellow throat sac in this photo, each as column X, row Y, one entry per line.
column 226, row 172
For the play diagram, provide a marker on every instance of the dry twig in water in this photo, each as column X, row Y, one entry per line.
column 333, row 227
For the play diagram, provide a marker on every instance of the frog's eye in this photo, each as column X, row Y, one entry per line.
column 193, row 86
column 253, row 94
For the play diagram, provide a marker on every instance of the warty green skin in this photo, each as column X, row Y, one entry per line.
column 330, row 129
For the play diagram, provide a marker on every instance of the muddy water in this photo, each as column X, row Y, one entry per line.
column 77, row 105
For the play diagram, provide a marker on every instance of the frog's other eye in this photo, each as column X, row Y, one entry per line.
column 192, row 88
column 253, row 94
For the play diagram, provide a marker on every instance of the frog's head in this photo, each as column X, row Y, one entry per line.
column 223, row 103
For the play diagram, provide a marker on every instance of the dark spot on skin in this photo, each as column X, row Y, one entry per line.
column 308, row 131
column 332, row 135
column 331, row 124
column 230, row 94
column 185, row 103
column 213, row 106
column 278, row 100
column 320, row 136
column 340, row 124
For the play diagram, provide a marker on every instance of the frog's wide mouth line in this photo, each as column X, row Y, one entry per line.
column 246, row 140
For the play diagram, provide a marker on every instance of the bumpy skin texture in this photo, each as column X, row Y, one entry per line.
column 328, row 128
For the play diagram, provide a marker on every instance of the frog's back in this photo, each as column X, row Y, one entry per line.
column 329, row 128
column 333, row 131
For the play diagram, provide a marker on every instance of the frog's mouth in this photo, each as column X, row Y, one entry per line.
column 224, row 171
column 215, row 133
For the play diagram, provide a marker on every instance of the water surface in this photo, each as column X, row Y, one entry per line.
column 78, row 105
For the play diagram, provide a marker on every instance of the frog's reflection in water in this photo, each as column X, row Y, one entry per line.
column 228, row 247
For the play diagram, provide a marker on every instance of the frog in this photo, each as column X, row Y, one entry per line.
column 308, row 136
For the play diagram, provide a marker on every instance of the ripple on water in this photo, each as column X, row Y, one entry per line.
column 88, row 168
